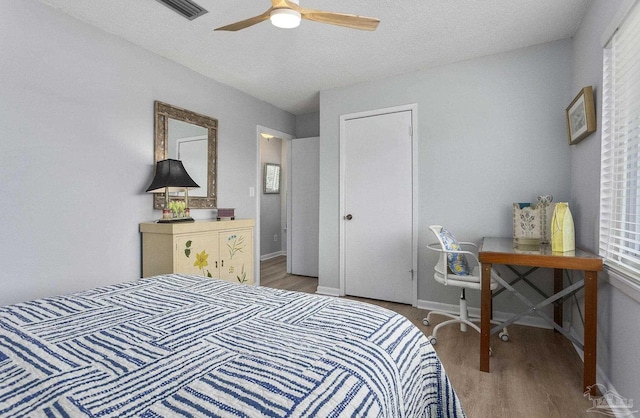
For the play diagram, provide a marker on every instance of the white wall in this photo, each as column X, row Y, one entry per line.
column 76, row 149
column 308, row 125
column 618, row 311
column 491, row 132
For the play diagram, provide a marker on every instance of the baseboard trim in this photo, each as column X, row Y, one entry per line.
column 605, row 386
column 328, row 291
column 609, row 392
column 529, row 320
column 272, row 255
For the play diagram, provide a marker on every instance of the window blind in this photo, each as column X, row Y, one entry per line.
column 620, row 153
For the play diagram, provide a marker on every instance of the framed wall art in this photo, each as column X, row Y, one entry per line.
column 581, row 116
column 271, row 178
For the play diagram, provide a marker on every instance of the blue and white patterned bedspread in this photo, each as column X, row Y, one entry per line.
column 180, row 345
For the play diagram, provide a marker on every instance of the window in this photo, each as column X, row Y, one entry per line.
column 620, row 164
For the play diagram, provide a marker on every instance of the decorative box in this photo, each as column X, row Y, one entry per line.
column 527, row 224
column 546, row 208
column 226, row 213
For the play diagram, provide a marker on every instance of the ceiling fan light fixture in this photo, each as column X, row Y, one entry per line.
column 285, row 18
column 288, row 14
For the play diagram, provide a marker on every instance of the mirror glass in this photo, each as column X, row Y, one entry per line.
column 189, row 144
column 192, row 138
column 271, row 178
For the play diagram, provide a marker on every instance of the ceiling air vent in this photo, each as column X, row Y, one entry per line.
column 185, row 8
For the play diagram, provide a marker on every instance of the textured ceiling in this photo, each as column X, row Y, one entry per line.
column 288, row 67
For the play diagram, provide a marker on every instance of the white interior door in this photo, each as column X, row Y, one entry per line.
column 378, row 207
column 304, row 191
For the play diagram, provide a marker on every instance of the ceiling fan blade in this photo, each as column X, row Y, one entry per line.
column 243, row 24
column 279, row 4
column 340, row 19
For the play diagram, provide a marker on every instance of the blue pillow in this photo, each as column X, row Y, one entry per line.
column 457, row 262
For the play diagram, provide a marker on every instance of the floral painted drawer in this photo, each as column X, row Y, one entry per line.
column 221, row 249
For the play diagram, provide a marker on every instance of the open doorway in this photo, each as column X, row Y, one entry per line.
column 271, row 204
column 287, row 222
column 273, row 192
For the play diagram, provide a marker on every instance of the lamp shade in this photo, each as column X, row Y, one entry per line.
column 171, row 175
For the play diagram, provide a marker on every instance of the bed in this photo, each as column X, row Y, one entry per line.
column 178, row 345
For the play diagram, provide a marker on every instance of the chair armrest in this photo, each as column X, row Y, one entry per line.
column 470, row 254
column 474, row 257
column 435, row 246
column 465, row 252
column 473, row 244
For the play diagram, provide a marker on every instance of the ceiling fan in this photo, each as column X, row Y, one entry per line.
column 288, row 14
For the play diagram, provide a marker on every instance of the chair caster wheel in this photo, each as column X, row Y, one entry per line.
column 433, row 340
column 504, row 336
column 426, row 322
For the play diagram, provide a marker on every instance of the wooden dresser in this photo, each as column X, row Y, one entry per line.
column 221, row 249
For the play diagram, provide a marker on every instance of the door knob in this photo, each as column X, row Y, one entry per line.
column 348, row 217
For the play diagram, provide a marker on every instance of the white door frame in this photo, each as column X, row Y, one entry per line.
column 258, row 192
column 413, row 108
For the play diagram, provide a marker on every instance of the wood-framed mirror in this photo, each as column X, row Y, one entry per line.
column 192, row 138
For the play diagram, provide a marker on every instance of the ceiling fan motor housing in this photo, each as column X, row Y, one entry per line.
column 285, row 18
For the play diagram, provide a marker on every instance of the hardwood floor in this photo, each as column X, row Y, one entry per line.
column 536, row 374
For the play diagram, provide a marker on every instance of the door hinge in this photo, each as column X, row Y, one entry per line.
column 412, row 274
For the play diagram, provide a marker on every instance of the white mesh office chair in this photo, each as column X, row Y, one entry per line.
column 453, row 269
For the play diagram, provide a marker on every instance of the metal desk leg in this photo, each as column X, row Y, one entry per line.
column 590, row 328
column 485, row 317
column 557, row 287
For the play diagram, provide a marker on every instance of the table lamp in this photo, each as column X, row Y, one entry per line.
column 171, row 176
